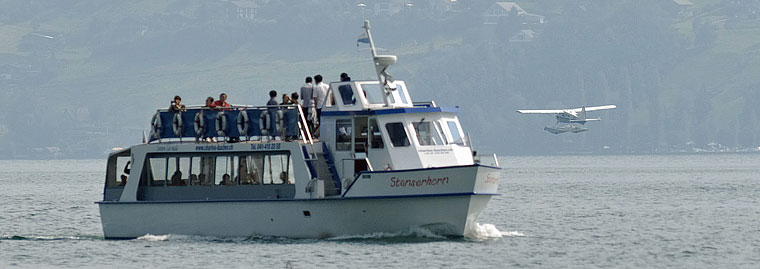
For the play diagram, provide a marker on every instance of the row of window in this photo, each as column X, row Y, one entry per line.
column 429, row 133
column 372, row 93
column 213, row 170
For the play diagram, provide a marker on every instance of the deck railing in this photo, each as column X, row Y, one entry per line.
column 284, row 122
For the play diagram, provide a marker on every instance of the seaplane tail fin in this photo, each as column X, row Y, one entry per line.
column 582, row 115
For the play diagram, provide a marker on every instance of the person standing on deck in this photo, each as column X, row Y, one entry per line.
column 210, row 102
column 320, row 91
column 307, row 102
column 272, row 111
column 176, row 105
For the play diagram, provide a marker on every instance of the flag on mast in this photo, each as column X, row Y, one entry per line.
column 363, row 38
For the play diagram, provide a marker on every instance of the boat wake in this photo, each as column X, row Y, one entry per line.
column 47, row 237
column 488, row 231
column 154, row 238
column 435, row 232
column 427, row 232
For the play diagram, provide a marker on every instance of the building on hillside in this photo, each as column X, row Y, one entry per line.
column 681, row 8
column 242, row 9
column 500, row 11
column 523, row 36
column 391, row 7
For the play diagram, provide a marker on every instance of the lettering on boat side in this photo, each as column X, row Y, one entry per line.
column 429, row 181
column 491, row 179
column 167, row 148
column 214, row 148
column 436, row 151
column 265, row 146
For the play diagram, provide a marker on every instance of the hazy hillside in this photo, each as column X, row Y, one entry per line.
column 79, row 77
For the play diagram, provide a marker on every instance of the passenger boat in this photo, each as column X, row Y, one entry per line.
column 382, row 164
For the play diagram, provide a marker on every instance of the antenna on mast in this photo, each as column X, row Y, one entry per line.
column 382, row 62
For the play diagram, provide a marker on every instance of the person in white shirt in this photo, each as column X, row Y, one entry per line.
column 320, row 91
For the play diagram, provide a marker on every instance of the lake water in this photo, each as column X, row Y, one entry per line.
column 684, row 211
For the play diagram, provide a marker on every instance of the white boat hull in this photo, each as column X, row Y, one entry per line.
column 323, row 218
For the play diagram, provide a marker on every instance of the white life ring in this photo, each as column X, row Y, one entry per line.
column 155, row 123
column 200, row 124
column 177, row 124
column 280, row 122
column 221, row 124
column 264, row 122
column 242, row 123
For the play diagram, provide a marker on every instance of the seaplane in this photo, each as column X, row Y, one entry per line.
column 569, row 119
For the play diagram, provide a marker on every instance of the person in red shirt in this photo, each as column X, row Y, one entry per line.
column 222, row 102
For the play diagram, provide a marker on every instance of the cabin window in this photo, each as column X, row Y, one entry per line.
column 376, row 136
column 220, row 170
column 225, row 171
column 347, row 95
column 203, row 171
column 397, row 134
column 167, row 171
column 360, row 134
column 343, row 135
column 329, row 99
column 156, row 168
column 402, row 93
column 443, row 134
column 373, row 93
column 277, row 169
column 427, row 135
column 456, row 135
column 118, row 170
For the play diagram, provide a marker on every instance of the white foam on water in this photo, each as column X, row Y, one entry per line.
column 488, row 231
column 154, row 238
column 420, row 232
column 512, row 233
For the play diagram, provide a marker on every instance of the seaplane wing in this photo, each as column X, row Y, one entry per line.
column 594, row 108
column 541, row 111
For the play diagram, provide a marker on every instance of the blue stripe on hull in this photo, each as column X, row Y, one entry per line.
column 301, row 200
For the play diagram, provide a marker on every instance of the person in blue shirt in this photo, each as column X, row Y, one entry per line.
column 272, row 110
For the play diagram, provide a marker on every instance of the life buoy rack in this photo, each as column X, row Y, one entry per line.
column 199, row 124
column 242, row 123
column 177, row 124
column 221, row 124
column 155, row 124
column 265, row 122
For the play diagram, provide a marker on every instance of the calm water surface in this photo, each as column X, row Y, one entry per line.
column 698, row 211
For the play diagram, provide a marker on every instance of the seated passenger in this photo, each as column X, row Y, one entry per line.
column 226, row 180
column 284, row 178
column 203, row 180
column 177, row 179
column 245, row 178
column 194, row 181
column 254, row 175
